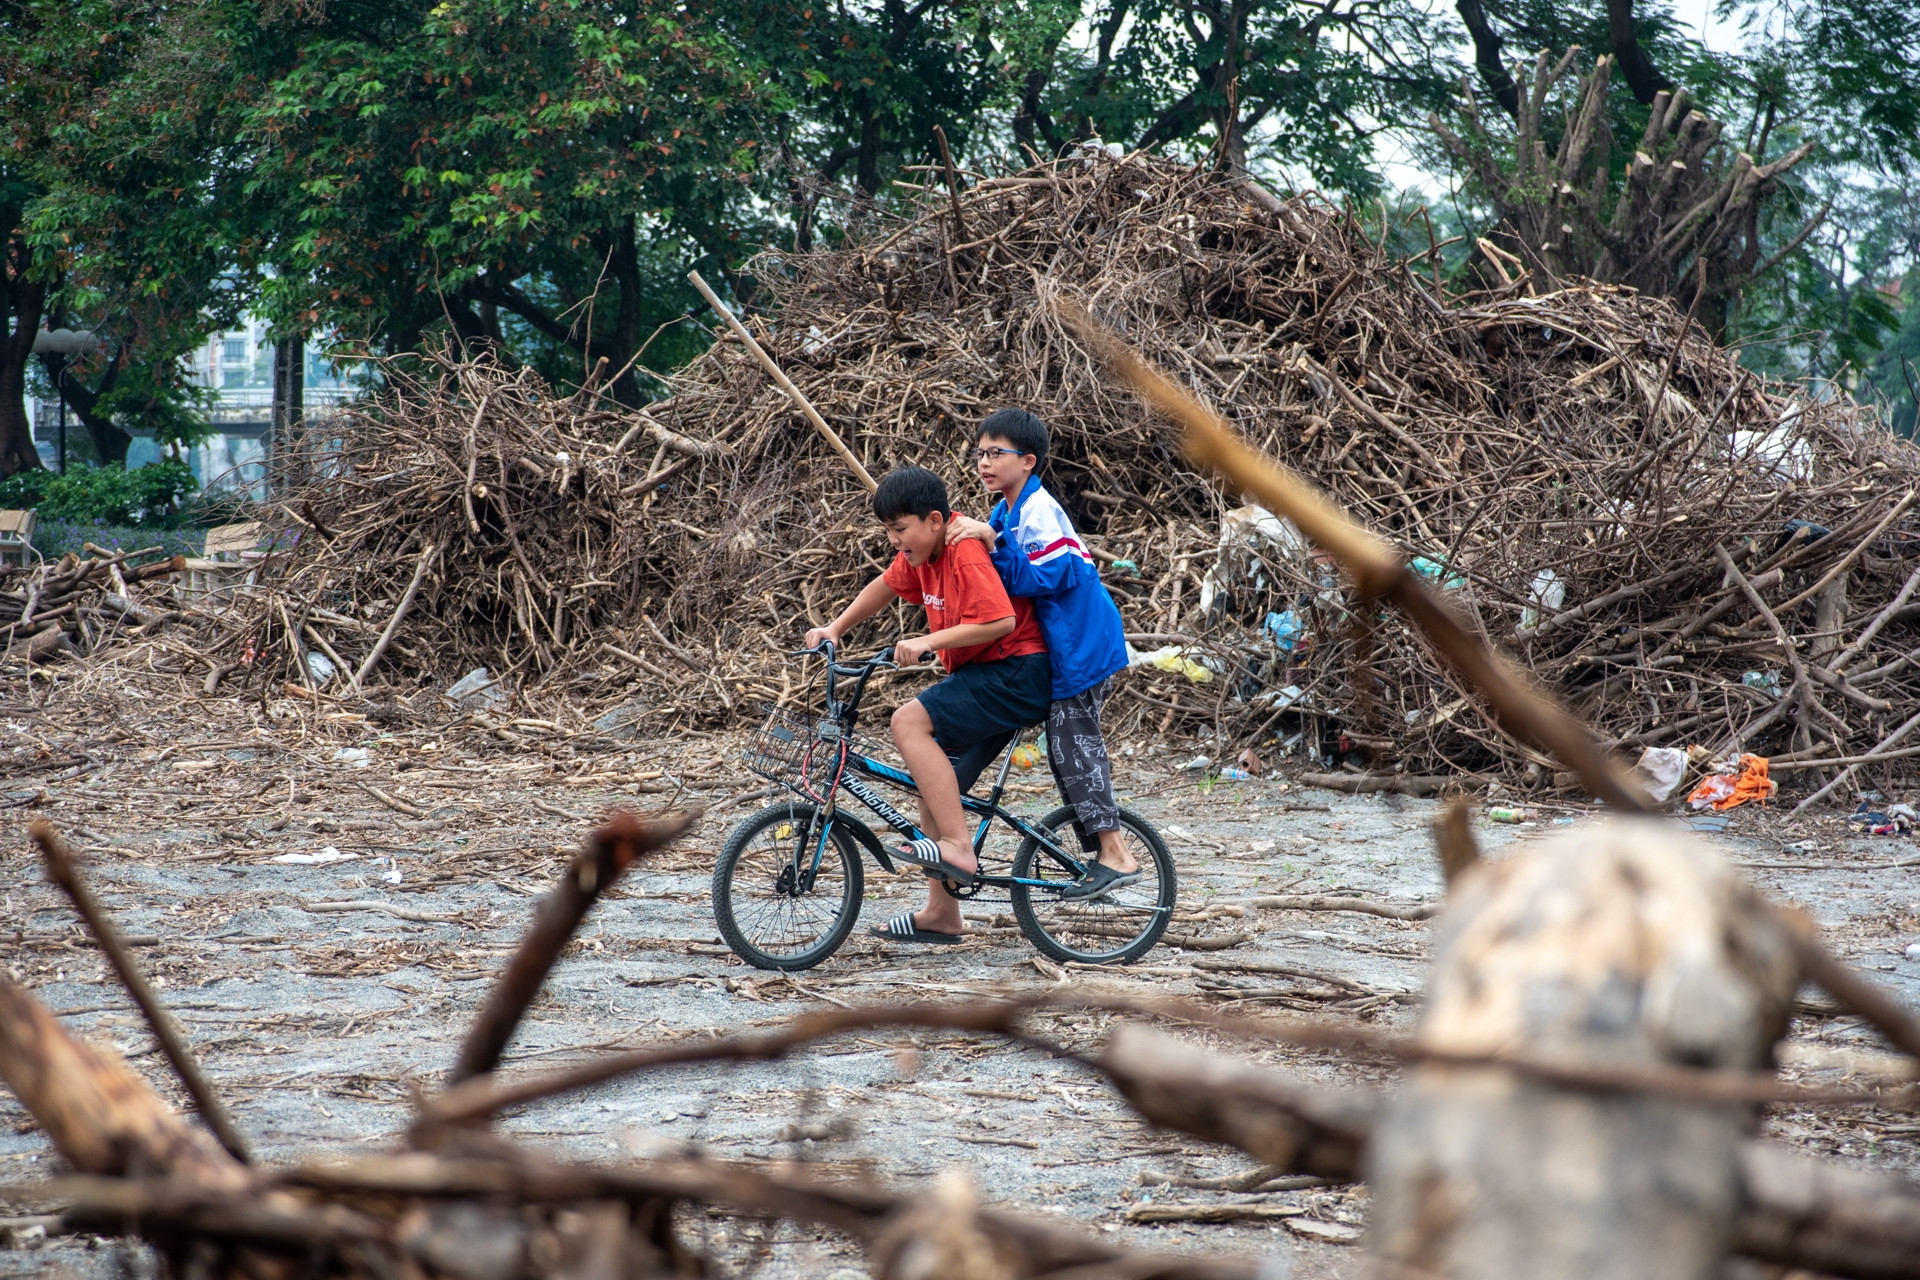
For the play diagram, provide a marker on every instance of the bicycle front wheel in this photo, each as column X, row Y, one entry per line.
column 1117, row 927
column 774, row 907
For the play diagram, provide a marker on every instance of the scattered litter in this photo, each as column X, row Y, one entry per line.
column 1245, row 533
column 1284, row 629
column 1233, row 773
column 1503, row 814
column 1250, row 761
column 1734, row 783
column 1661, row 770
column 1198, row 762
column 353, row 757
column 1895, row 820
column 1708, row 823
column 326, row 855
column 1801, row 846
column 1025, row 757
column 1768, row 682
column 320, row 668
column 1278, row 700
column 1913, row 951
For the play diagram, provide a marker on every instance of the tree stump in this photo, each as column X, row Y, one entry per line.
column 1627, row 945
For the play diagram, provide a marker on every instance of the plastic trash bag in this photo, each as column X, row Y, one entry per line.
column 1173, row 658
column 1245, row 534
column 1660, row 770
column 1726, row 789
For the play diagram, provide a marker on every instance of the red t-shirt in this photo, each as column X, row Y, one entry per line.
column 960, row 586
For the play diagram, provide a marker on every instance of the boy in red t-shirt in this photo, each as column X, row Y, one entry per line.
column 998, row 680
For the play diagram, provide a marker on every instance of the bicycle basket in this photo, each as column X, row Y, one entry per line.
column 779, row 746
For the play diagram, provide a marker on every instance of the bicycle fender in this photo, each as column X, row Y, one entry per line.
column 866, row 840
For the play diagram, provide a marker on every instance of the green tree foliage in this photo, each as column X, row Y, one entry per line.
column 109, row 494
column 110, row 210
column 534, row 177
column 421, row 165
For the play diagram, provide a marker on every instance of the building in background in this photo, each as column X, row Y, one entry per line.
column 237, row 366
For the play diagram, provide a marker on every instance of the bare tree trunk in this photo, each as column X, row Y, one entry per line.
column 22, row 302
column 1628, row 945
column 16, row 431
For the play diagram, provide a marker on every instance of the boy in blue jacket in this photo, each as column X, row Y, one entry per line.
column 1038, row 556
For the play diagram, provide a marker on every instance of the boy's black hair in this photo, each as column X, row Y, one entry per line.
column 1018, row 428
column 910, row 491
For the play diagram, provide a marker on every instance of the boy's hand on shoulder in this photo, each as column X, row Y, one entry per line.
column 962, row 527
column 909, row 652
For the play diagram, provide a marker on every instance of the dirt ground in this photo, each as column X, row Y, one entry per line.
column 317, row 1024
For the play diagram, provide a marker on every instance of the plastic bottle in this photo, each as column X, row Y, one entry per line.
column 1511, row 815
column 1235, row 774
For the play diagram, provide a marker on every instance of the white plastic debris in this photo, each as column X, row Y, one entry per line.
column 476, row 691
column 353, row 757
column 1660, row 770
column 1198, row 762
column 1246, row 534
column 1913, row 951
column 320, row 668
column 320, row 859
column 1546, row 594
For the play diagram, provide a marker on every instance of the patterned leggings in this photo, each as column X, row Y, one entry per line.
column 1077, row 753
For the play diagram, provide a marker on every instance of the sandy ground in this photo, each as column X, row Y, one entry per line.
column 316, row 1025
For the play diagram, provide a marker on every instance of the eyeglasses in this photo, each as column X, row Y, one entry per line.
column 988, row 455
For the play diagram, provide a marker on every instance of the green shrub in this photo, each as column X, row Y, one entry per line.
column 111, row 495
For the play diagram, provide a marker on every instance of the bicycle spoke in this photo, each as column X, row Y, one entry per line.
column 774, row 918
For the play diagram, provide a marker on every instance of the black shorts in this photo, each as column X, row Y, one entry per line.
column 977, row 710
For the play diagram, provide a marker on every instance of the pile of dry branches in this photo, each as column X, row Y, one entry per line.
column 1683, row 552
column 77, row 606
column 1570, row 464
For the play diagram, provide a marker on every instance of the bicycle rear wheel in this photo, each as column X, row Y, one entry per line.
column 1120, row 926
column 771, row 912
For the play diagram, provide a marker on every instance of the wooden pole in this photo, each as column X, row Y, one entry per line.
column 780, row 379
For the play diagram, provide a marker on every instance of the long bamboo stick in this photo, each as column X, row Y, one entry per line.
column 780, row 379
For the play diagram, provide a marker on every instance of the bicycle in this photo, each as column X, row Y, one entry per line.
column 789, row 883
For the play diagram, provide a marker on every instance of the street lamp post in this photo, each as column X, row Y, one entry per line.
column 67, row 343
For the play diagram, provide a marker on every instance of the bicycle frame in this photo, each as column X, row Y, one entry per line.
column 837, row 727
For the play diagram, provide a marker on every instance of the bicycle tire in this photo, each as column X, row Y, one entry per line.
column 758, row 837
column 1151, row 900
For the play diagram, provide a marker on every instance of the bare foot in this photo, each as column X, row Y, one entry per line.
column 1114, row 852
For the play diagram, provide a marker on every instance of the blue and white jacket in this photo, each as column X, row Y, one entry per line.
column 1044, row 560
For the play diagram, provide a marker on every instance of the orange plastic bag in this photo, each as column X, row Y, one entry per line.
column 1722, row 791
